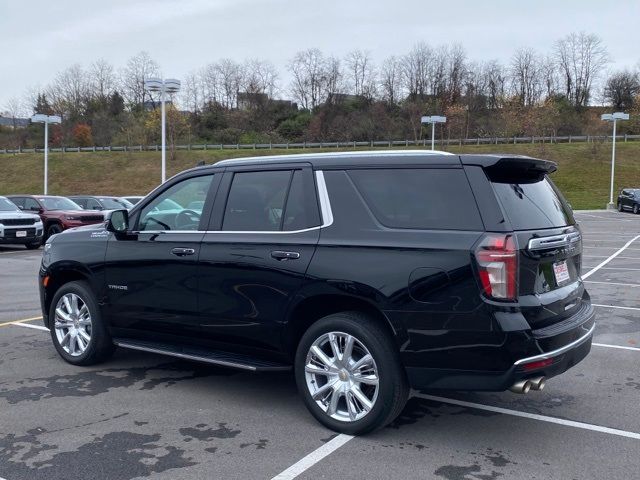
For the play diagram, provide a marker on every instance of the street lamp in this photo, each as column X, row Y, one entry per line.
column 613, row 117
column 433, row 120
column 168, row 85
column 46, row 119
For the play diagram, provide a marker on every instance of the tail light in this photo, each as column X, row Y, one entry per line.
column 497, row 257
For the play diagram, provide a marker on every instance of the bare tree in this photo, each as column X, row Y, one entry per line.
column 138, row 68
column 581, row 58
column 526, row 76
column 360, row 73
column 621, row 88
column 549, row 77
column 332, row 77
column 191, row 92
column 391, row 80
column 417, row 70
column 261, row 77
column 307, row 68
column 70, row 91
column 103, row 79
column 210, row 84
column 456, row 73
column 232, row 80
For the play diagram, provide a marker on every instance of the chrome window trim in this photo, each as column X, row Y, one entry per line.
column 559, row 351
column 564, row 240
column 325, row 211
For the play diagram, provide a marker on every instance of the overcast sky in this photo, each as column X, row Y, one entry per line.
column 39, row 38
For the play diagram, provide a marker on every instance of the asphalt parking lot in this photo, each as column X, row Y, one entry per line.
column 148, row 416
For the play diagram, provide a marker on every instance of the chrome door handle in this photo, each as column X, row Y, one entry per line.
column 282, row 255
column 182, row 252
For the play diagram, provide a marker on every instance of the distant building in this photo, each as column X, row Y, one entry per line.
column 249, row 100
column 13, row 122
column 150, row 105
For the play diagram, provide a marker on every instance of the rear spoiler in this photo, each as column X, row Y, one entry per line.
column 512, row 167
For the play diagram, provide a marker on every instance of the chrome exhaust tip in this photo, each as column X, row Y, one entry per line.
column 538, row 383
column 523, row 386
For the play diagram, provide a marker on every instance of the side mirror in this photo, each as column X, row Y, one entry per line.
column 35, row 209
column 20, row 207
column 97, row 207
column 118, row 221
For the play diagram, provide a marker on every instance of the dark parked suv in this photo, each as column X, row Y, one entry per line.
column 367, row 273
column 629, row 199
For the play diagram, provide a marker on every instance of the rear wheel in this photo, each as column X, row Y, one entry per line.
column 76, row 327
column 635, row 208
column 349, row 374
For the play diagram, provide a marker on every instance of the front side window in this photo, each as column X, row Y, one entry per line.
column 170, row 210
column 31, row 204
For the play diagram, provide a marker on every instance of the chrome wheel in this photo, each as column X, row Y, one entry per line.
column 341, row 376
column 73, row 324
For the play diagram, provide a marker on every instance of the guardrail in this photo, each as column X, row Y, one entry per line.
column 315, row 145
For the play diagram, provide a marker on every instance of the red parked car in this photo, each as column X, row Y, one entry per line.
column 57, row 213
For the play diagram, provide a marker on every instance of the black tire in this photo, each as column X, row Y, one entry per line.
column 393, row 388
column 619, row 206
column 53, row 229
column 100, row 347
column 33, row 245
column 635, row 208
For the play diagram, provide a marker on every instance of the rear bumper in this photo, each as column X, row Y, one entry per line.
column 538, row 362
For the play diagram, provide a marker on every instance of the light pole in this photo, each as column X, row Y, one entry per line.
column 433, row 120
column 46, row 119
column 613, row 117
column 168, row 85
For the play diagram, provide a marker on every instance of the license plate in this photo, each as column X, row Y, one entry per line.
column 561, row 272
column 21, row 233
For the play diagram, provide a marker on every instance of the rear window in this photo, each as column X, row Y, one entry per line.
column 426, row 198
column 533, row 203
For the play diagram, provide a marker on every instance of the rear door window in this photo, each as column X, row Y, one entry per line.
column 419, row 198
column 533, row 203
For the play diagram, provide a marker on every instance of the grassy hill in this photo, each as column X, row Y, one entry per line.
column 583, row 174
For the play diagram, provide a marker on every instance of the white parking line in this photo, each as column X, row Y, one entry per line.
column 314, row 457
column 604, row 256
column 615, row 268
column 533, row 416
column 602, row 264
column 635, row 349
column 615, row 306
column 28, row 325
column 614, row 283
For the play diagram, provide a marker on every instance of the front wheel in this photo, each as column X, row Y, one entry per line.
column 619, row 207
column 349, row 374
column 635, row 208
column 76, row 326
column 33, row 245
column 53, row 229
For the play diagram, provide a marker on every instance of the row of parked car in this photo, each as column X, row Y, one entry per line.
column 30, row 219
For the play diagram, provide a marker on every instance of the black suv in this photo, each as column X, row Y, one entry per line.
column 629, row 199
column 367, row 273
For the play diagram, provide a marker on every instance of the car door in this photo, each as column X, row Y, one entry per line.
column 264, row 230
column 624, row 199
column 151, row 281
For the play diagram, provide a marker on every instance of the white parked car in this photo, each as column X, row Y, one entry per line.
column 17, row 227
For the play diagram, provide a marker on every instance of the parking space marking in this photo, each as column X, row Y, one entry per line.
column 314, row 457
column 614, row 255
column 614, row 283
column 533, row 416
column 621, row 347
column 615, row 306
column 15, row 251
column 13, row 322
column 615, row 268
column 28, row 325
column 604, row 256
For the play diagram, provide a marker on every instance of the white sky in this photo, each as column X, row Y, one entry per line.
column 39, row 38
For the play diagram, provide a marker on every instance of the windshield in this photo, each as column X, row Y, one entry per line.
column 111, row 203
column 59, row 203
column 7, row 206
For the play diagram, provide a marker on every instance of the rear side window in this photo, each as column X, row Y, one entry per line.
column 533, row 203
column 426, row 198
